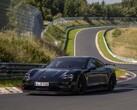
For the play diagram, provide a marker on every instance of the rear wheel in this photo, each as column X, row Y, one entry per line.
column 111, row 83
column 81, row 85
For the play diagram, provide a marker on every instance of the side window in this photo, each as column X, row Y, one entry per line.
column 91, row 63
column 98, row 63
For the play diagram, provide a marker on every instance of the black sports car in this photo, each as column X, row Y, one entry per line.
column 70, row 74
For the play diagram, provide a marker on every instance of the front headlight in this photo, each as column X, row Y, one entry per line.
column 30, row 74
column 68, row 76
column 27, row 77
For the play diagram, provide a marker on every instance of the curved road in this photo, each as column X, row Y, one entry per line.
column 122, row 98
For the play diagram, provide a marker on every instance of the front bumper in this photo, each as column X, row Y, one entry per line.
column 53, row 88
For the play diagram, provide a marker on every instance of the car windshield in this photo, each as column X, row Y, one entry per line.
column 78, row 63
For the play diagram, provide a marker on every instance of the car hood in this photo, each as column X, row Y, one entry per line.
column 49, row 75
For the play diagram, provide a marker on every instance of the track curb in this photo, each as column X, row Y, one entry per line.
column 128, row 76
column 10, row 90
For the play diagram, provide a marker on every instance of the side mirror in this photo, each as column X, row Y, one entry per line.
column 93, row 67
column 44, row 66
column 110, row 65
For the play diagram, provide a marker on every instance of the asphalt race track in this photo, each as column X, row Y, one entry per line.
column 124, row 97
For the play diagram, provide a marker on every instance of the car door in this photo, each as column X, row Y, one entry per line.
column 102, row 76
column 97, row 74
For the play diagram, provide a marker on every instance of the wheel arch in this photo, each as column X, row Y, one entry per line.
column 112, row 74
column 79, row 74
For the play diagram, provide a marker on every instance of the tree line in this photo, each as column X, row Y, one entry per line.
column 53, row 9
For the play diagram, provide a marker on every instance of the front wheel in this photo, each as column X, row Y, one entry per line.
column 111, row 83
column 80, row 85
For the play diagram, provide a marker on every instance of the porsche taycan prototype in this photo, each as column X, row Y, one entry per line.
column 77, row 75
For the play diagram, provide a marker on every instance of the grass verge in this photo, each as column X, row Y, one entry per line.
column 71, row 38
column 11, row 83
column 123, row 41
column 103, row 48
column 119, row 72
column 25, row 50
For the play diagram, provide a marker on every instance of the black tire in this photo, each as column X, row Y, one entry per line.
column 81, row 85
column 111, row 83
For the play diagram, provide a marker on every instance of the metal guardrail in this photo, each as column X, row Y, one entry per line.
column 67, row 33
column 64, row 21
column 15, row 70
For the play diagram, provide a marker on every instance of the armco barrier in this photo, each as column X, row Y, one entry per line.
column 67, row 33
column 63, row 21
column 12, row 70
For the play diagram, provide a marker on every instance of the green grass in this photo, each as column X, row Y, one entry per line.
column 55, row 35
column 11, row 83
column 24, row 49
column 103, row 47
column 71, row 38
column 46, row 22
column 119, row 72
column 117, row 32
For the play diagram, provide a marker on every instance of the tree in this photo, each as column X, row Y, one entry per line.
column 40, row 2
column 97, row 10
column 129, row 3
column 103, row 3
column 48, row 3
column 37, row 3
column 114, row 11
column 71, row 8
column 59, row 5
column 82, row 6
column 132, row 12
